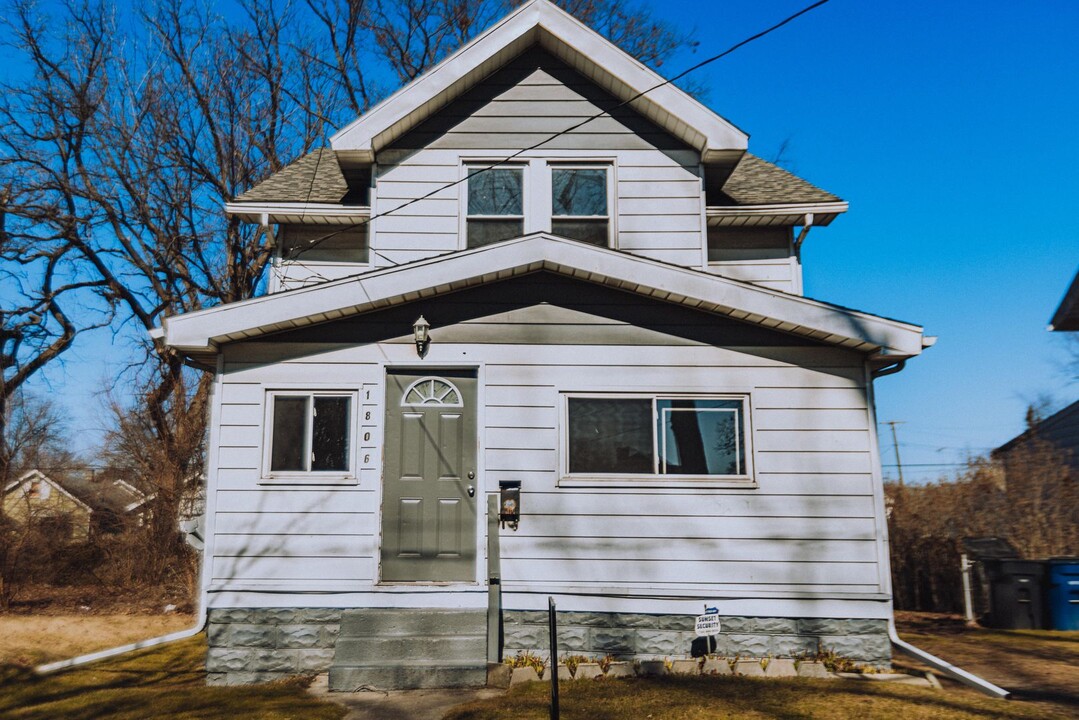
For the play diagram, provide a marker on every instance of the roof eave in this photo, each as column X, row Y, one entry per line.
column 539, row 20
column 1066, row 317
column 201, row 332
column 816, row 214
column 280, row 211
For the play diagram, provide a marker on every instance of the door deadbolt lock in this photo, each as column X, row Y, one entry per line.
column 471, row 474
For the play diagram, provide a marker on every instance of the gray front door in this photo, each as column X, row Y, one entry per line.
column 428, row 495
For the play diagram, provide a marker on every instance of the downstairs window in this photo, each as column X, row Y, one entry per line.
column 657, row 437
column 310, row 433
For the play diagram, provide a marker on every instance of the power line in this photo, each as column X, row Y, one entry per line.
column 311, row 244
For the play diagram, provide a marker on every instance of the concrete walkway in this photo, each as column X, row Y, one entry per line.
column 398, row 704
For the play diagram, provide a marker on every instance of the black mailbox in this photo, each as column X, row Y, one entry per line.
column 509, row 503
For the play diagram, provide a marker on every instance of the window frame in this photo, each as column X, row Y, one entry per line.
column 608, row 168
column 467, row 168
column 537, row 201
column 657, row 479
column 309, row 477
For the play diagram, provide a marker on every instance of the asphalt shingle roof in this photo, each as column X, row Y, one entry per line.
column 759, row 182
column 315, row 177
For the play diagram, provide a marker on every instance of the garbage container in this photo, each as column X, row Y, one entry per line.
column 1063, row 592
column 1016, row 597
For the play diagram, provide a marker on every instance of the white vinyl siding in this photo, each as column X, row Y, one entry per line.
column 761, row 255
column 809, row 528
column 656, row 186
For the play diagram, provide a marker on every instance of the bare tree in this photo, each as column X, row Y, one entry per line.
column 35, row 436
column 122, row 135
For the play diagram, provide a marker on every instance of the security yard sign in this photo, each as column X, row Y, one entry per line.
column 708, row 624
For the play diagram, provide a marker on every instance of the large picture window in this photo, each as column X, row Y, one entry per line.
column 495, row 205
column 698, row 437
column 310, row 432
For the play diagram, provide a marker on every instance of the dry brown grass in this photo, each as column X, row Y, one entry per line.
column 1036, row 665
column 716, row 698
column 166, row 682
column 31, row 639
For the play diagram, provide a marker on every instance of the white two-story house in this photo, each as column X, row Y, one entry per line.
column 482, row 303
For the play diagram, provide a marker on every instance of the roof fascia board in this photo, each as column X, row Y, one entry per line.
column 360, row 137
column 202, row 331
column 254, row 210
column 785, row 209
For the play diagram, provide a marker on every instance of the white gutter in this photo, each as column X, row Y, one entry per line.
column 958, row 674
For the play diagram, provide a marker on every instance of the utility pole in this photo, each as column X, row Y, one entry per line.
column 895, row 445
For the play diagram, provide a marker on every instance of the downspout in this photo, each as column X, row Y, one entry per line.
column 889, row 369
column 204, row 575
column 200, row 623
column 942, row 666
column 946, row 668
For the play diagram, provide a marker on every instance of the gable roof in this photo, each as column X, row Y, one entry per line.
column 200, row 333
column 116, row 496
column 38, row 476
column 588, row 52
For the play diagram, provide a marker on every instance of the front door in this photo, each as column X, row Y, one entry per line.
column 429, row 471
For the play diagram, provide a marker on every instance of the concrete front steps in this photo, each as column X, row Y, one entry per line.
column 408, row 648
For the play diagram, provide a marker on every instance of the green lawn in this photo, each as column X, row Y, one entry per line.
column 166, row 682
column 713, row 698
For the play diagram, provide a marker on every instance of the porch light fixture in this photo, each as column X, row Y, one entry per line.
column 420, row 332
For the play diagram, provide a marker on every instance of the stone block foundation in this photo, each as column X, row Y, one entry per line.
column 645, row 637
column 249, row 645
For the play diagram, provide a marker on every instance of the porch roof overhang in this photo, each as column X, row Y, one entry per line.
column 588, row 52
column 817, row 214
column 199, row 334
column 265, row 213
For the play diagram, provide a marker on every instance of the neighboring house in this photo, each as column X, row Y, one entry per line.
column 616, row 323
column 1060, row 429
column 73, row 509
column 1066, row 317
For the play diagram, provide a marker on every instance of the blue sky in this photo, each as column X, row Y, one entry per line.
column 950, row 127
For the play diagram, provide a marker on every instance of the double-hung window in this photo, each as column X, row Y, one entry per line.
column 310, row 433
column 495, row 204
column 579, row 206
column 657, row 437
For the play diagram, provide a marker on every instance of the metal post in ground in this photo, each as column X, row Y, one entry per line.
column 553, row 626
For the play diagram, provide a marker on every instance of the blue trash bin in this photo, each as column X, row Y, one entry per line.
column 1063, row 600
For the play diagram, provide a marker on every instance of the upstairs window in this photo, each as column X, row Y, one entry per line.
column 579, row 206
column 656, row 436
column 495, row 205
column 310, row 432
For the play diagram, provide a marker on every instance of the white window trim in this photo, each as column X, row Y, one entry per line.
column 553, row 165
column 657, row 480
column 536, row 188
column 309, row 477
column 468, row 166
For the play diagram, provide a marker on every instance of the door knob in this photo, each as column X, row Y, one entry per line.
column 471, row 491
